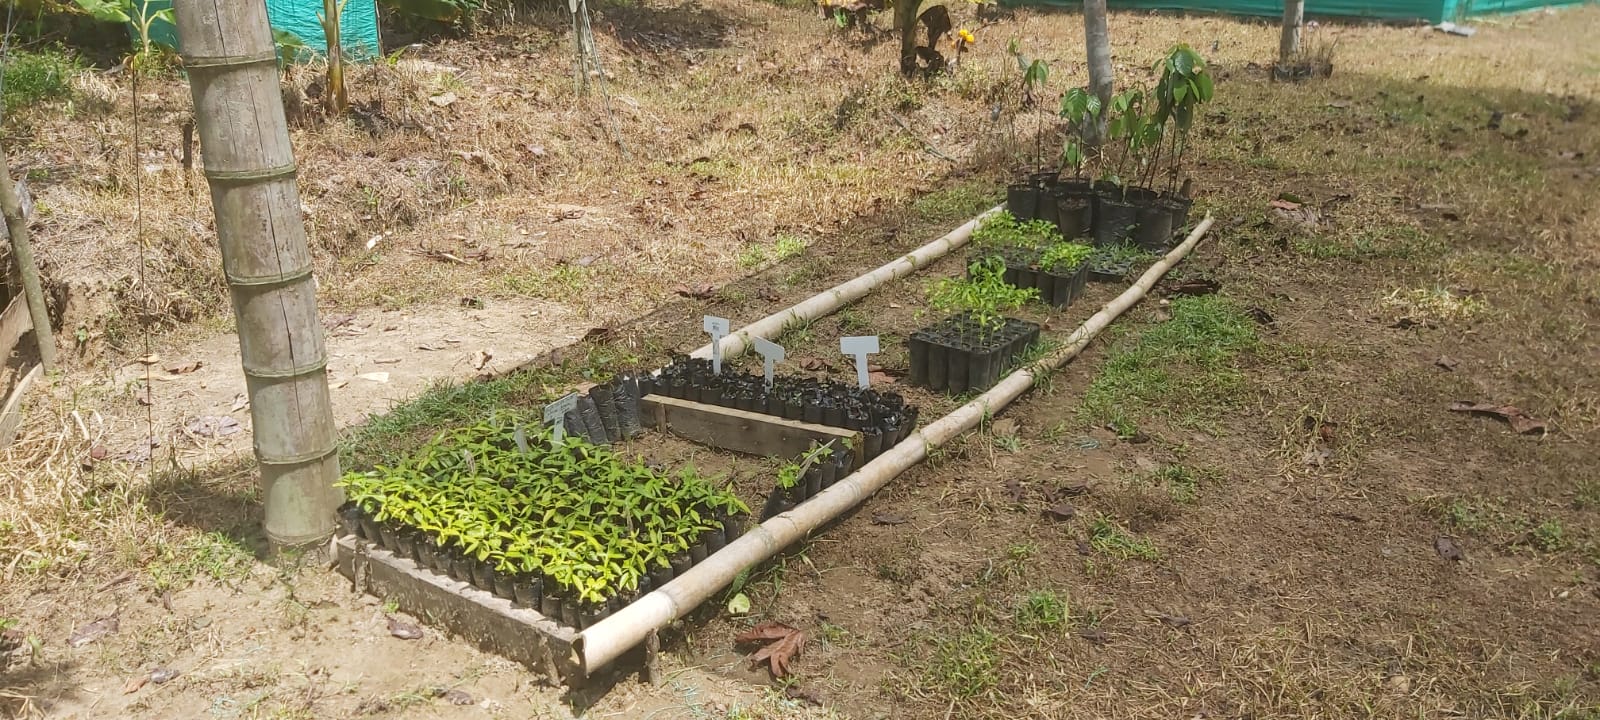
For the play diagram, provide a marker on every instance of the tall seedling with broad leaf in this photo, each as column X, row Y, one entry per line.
column 1034, row 74
column 1185, row 84
column 1082, row 111
column 135, row 12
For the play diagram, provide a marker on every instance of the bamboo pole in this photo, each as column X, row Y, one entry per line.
column 22, row 254
column 249, row 164
column 830, row 300
column 607, row 640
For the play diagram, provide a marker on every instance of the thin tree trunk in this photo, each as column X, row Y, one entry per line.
column 332, row 15
column 1293, row 19
column 22, row 255
column 1098, row 41
column 244, row 138
column 905, row 21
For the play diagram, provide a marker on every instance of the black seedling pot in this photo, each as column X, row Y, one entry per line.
column 386, row 538
column 594, row 429
column 713, row 395
column 605, row 406
column 574, row 424
column 675, row 387
column 1115, row 219
column 460, row 569
column 588, row 615
column 645, row 384
column 660, row 575
column 350, row 520
column 939, row 363
column 733, row 527
column 697, row 553
column 405, row 543
column 871, row 442
column 483, row 575
column 778, row 502
column 813, row 480
column 1180, row 207
column 981, row 370
column 958, row 361
column 1046, row 180
column 504, row 586
column 1155, row 225
column 369, row 530
column 917, row 346
column 681, row 564
column 832, row 413
column 1022, row 201
column 1073, row 216
column 428, row 554
column 1027, row 277
column 812, row 413
column 550, row 606
column 528, row 591
column 714, row 539
column 830, row 473
column 570, row 615
column 793, row 409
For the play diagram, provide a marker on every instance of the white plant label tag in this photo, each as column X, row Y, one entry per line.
column 555, row 415
column 718, row 327
column 860, row 346
column 771, row 354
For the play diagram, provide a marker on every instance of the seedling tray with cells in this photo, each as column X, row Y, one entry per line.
column 571, row 529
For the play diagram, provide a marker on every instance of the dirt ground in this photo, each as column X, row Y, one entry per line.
column 1256, row 486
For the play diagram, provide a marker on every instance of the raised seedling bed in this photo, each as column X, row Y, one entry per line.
column 967, row 352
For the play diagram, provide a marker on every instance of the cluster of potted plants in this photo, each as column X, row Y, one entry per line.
column 817, row 470
column 1146, row 140
column 567, row 527
column 882, row 417
column 1035, row 256
column 609, row 412
column 970, row 349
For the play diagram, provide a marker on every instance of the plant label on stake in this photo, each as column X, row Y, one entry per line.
column 555, row 415
column 718, row 327
column 860, row 346
column 771, row 353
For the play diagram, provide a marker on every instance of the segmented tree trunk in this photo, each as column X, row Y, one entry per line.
column 244, row 139
column 1293, row 18
column 1097, row 39
column 332, row 15
column 22, row 256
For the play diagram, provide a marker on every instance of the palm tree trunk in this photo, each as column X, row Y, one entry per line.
column 905, row 21
column 1098, row 41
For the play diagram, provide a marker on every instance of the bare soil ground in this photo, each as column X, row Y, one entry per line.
column 1257, row 535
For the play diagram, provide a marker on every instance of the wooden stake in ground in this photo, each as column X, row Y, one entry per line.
column 244, row 140
column 1293, row 18
column 22, row 253
column 1097, row 39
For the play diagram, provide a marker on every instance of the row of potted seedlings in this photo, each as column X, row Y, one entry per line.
column 567, row 528
column 816, row 470
column 1035, row 256
column 883, row 418
column 1143, row 138
column 971, row 349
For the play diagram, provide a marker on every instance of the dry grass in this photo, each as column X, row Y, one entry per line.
column 1312, row 586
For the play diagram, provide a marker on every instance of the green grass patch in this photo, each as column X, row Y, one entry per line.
column 34, row 77
column 562, row 282
column 1042, row 610
column 1393, row 242
column 1185, row 363
column 1108, row 537
column 211, row 554
column 963, row 666
column 957, row 203
column 1182, row 482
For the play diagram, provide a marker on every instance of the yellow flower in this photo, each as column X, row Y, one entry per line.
column 966, row 36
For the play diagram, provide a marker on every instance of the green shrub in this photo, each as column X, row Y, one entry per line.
column 36, row 77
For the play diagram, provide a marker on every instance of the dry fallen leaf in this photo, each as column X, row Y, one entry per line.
column 404, row 630
column 457, row 697
column 377, row 377
column 783, row 644
column 213, row 426
column 481, row 358
column 1060, row 511
column 1175, row 621
column 1446, row 363
column 443, row 99
column 814, row 364
column 93, row 631
column 184, row 368
column 884, row 518
column 149, row 360
column 134, row 683
column 161, row 676
column 698, row 291
column 1520, row 422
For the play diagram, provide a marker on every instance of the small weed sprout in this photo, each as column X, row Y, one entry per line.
column 1549, row 536
column 1041, row 610
column 1110, row 538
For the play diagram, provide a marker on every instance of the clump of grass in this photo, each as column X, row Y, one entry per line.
column 958, row 202
column 1436, row 303
column 211, row 554
column 562, row 282
column 1187, row 362
column 1588, row 495
column 1548, row 536
column 963, row 666
column 1474, row 516
column 35, row 77
column 1182, row 482
column 1042, row 610
column 1106, row 536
